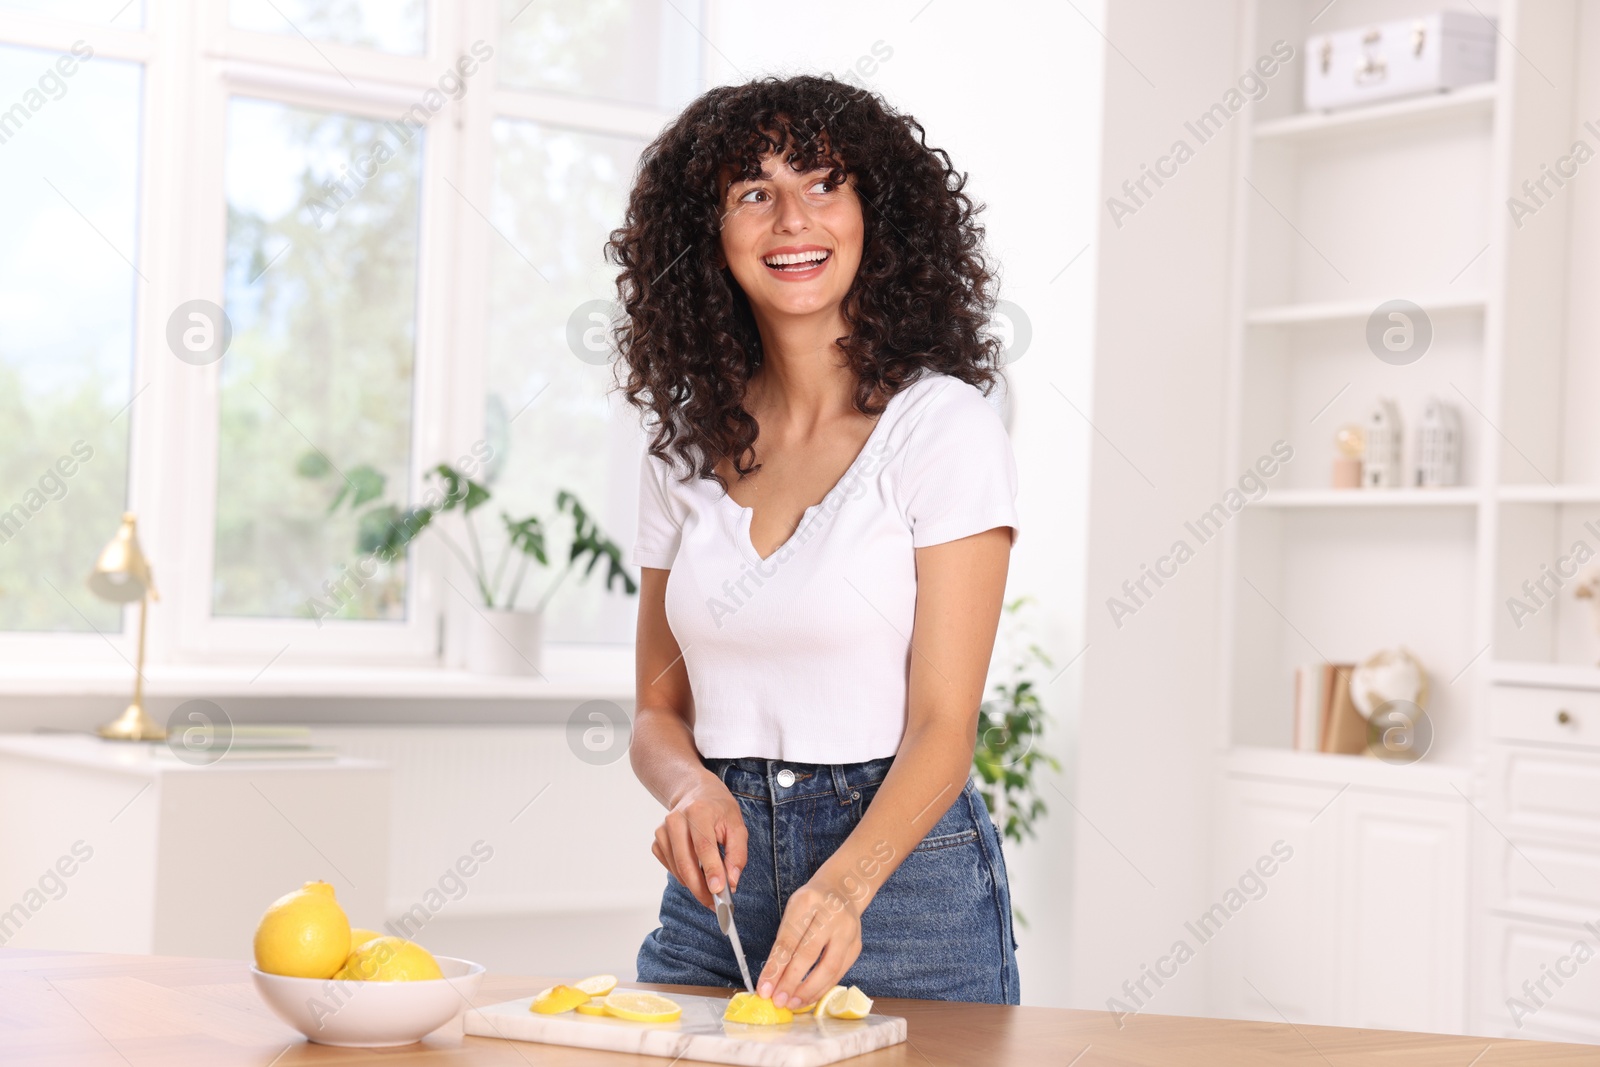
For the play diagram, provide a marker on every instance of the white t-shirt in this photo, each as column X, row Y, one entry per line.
column 804, row 656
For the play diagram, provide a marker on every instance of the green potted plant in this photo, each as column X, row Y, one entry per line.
column 501, row 638
column 1007, row 757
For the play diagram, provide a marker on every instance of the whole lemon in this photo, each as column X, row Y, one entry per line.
column 390, row 959
column 360, row 935
column 303, row 934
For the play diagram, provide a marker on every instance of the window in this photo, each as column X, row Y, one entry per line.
column 557, row 194
column 396, row 26
column 315, row 401
column 385, row 309
column 70, row 182
column 126, row 16
column 636, row 51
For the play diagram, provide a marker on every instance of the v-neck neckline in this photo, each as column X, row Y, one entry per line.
column 747, row 543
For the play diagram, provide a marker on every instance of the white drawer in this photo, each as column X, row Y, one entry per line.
column 1521, row 952
column 1544, row 879
column 1531, row 713
column 1545, row 791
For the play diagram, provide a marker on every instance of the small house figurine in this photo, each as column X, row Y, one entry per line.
column 1439, row 446
column 1351, row 444
column 1381, row 469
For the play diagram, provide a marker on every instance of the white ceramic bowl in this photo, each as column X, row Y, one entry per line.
column 370, row 1014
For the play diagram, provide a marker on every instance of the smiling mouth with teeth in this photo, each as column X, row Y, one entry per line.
column 797, row 261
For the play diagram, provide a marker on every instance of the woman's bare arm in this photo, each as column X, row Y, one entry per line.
column 701, row 813
column 960, row 587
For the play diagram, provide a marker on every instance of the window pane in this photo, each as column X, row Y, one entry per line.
column 636, row 51
column 69, row 183
column 316, row 388
column 398, row 26
column 128, row 15
column 557, row 196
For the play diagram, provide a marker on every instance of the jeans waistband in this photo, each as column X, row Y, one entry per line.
column 767, row 778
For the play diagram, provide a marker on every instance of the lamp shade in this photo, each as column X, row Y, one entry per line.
column 122, row 574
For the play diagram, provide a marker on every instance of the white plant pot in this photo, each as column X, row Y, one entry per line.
column 504, row 642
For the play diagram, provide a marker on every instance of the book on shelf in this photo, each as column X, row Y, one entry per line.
column 1325, row 719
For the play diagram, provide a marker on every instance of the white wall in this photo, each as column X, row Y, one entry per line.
column 1147, row 727
column 1012, row 92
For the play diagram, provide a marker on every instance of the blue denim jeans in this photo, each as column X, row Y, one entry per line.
column 938, row 929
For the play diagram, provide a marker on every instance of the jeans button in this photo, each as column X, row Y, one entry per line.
column 786, row 778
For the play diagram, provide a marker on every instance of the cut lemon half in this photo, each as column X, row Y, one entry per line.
column 841, row 1002
column 642, row 1007
column 758, row 1011
column 558, row 999
column 593, row 1006
column 598, row 985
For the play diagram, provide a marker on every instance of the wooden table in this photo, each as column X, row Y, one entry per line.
column 96, row 1010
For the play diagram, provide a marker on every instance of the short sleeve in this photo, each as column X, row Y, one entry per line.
column 960, row 476
column 660, row 517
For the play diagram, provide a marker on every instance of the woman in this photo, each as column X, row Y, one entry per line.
column 827, row 509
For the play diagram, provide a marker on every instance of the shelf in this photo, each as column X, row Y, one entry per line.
column 1460, row 497
column 1474, row 99
column 1341, row 310
column 1424, row 776
column 1549, row 494
column 1555, row 675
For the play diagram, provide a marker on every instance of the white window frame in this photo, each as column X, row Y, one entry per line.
column 194, row 62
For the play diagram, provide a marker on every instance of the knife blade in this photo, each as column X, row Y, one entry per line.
column 724, row 902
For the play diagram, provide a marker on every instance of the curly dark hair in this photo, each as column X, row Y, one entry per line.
column 922, row 296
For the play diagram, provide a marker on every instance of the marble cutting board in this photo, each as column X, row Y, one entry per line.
column 700, row 1034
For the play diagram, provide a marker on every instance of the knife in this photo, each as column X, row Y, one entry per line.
column 724, row 901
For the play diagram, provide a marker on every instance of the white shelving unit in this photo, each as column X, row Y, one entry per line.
column 1333, row 215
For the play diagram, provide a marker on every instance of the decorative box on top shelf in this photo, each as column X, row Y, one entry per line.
column 1408, row 57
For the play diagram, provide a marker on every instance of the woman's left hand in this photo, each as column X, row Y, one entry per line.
column 821, row 926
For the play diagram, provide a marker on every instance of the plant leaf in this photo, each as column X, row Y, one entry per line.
column 368, row 483
column 312, row 464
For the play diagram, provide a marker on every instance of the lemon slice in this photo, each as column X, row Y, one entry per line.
column 593, row 1006
column 642, row 1007
column 845, row 1003
column 758, row 1011
column 598, row 985
column 558, row 999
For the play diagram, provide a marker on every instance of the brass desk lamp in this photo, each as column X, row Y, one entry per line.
column 122, row 575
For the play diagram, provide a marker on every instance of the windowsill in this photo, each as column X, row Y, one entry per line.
column 357, row 683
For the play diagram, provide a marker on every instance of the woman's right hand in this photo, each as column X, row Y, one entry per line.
column 704, row 816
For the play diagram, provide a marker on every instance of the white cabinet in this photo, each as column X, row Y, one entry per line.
column 1265, row 955
column 1541, row 866
column 1537, row 988
column 1366, row 924
column 1427, row 896
column 110, row 846
column 1402, row 924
